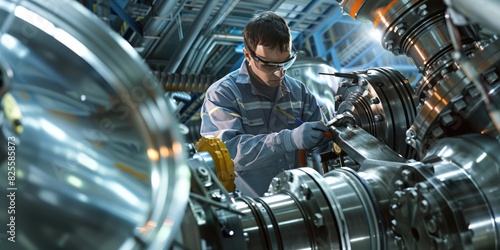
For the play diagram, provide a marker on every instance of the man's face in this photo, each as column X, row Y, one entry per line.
column 268, row 64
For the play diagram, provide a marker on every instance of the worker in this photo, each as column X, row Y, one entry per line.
column 263, row 115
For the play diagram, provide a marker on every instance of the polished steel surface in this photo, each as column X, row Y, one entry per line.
column 99, row 161
column 450, row 199
column 383, row 104
column 356, row 210
column 306, row 210
column 364, row 148
column 427, row 121
column 257, row 224
column 414, row 28
column 308, row 70
column 290, row 224
column 420, row 30
column 296, row 207
column 455, row 104
column 303, row 187
column 480, row 11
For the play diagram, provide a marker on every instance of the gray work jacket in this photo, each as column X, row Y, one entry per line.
column 250, row 125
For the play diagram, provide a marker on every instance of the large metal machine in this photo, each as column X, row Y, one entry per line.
column 95, row 159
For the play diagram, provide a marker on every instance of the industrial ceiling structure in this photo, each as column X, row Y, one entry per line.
column 205, row 36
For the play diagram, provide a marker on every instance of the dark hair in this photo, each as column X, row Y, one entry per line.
column 268, row 29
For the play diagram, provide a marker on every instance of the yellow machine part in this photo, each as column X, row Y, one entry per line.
column 224, row 166
column 12, row 112
column 337, row 149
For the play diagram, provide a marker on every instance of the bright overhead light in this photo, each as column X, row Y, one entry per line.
column 376, row 35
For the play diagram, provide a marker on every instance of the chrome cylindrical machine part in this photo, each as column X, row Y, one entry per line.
column 480, row 11
column 454, row 105
column 307, row 70
column 305, row 210
column 449, row 103
column 383, row 104
column 415, row 28
column 98, row 159
column 451, row 199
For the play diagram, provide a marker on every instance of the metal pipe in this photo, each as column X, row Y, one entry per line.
column 163, row 10
column 202, row 57
column 484, row 12
column 188, row 41
column 228, row 37
column 220, row 64
column 197, row 49
column 195, row 52
column 225, row 10
column 156, row 26
column 210, row 54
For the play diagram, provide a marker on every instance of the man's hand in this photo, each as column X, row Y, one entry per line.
column 308, row 135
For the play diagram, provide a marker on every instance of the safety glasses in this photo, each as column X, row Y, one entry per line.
column 273, row 66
